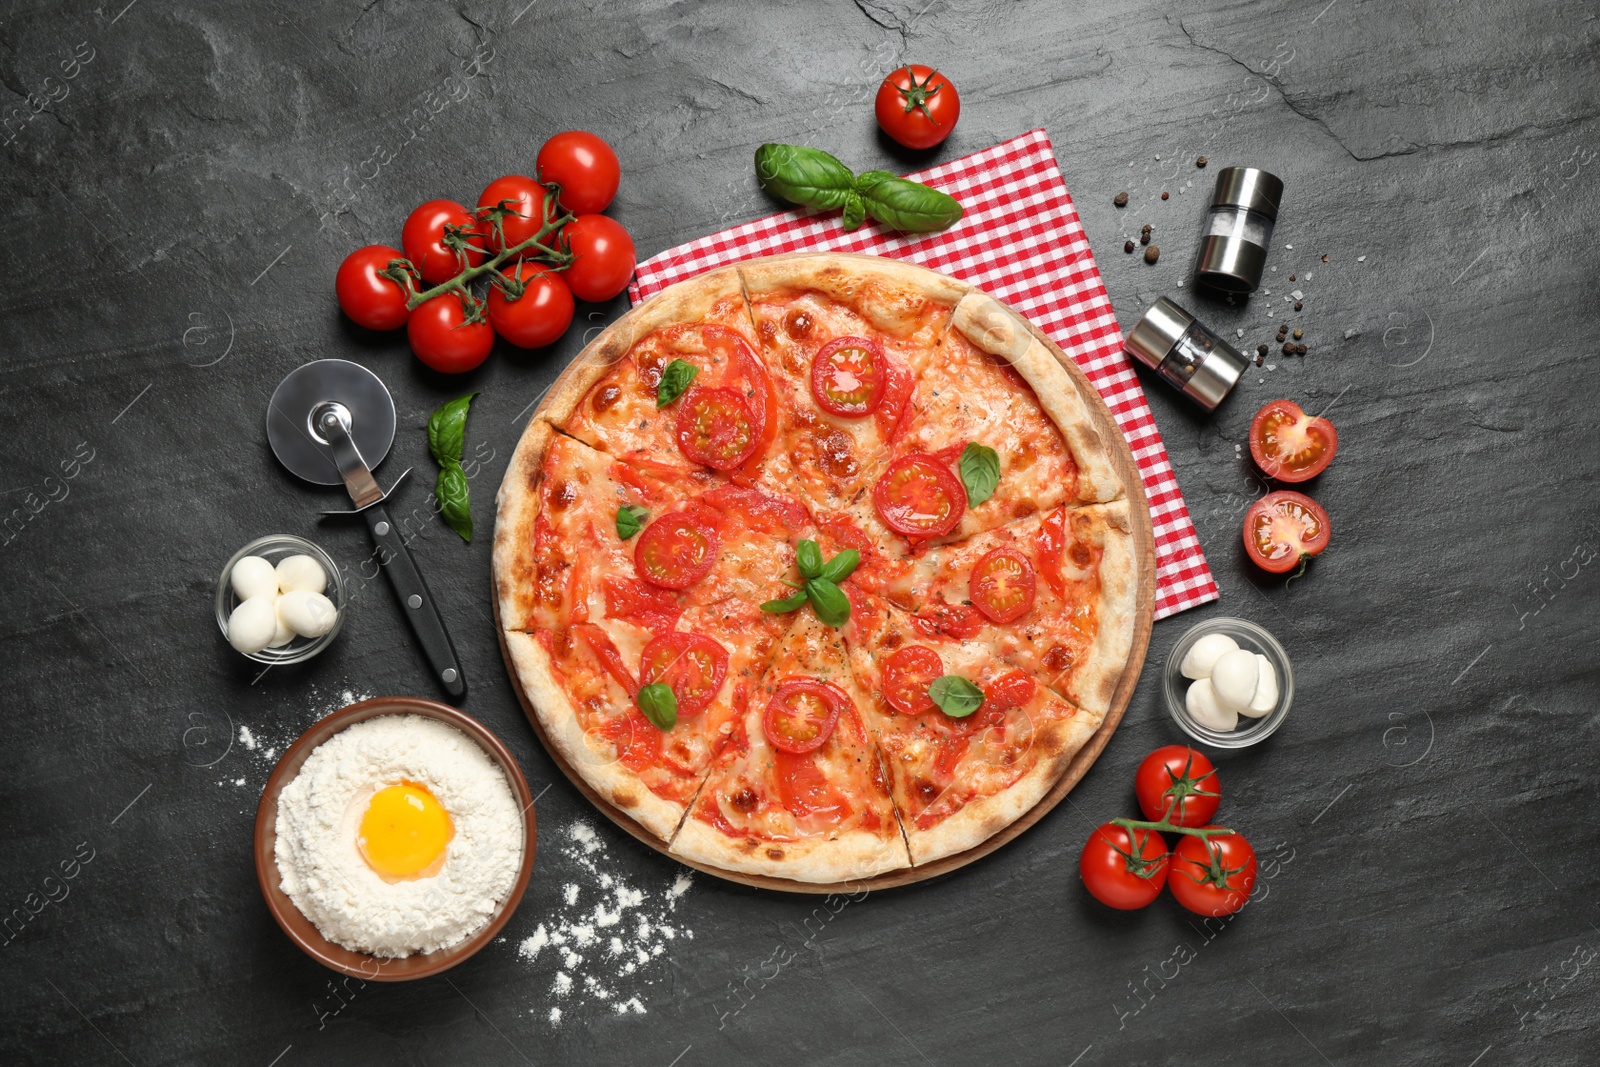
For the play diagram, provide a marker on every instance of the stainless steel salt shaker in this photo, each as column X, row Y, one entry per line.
column 1189, row 357
column 1238, row 229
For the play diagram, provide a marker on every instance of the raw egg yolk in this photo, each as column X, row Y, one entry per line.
column 404, row 833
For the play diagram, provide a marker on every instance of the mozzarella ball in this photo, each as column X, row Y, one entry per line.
column 252, row 577
column 252, row 624
column 1234, row 678
column 281, row 634
column 1201, row 700
column 301, row 572
column 306, row 613
column 1266, row 697
column 1204, row 653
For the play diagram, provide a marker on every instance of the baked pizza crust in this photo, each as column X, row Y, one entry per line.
column 1096, row 681
column 835, row 858
column 516, row 509
column 984, row 817
column 875, row 287
column 687, row 301
column 989, row 325
column 619, row 786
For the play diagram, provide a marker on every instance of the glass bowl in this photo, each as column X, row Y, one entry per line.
column 1251, row 637
column 273, row 548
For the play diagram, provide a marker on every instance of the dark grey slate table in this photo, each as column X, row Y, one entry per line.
column 174, row 217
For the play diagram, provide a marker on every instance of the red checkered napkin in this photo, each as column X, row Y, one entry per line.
column 1020, row 241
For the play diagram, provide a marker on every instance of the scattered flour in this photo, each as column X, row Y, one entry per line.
column 604, row 932
column 246, row 738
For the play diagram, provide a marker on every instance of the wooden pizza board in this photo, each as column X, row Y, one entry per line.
column 1144, row 554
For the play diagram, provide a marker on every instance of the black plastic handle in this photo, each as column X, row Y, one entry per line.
column 416, row 601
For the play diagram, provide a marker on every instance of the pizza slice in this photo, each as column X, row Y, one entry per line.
column 798, row 790
column 839, row 335
column 959, row 777
column 989, row 382
column 1055, row 594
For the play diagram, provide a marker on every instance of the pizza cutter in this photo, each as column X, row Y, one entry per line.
column 330, row 422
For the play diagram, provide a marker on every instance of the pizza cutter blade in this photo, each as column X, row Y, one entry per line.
column 330, row 422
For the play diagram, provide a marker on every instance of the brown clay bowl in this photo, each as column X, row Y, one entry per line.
column 299, row 928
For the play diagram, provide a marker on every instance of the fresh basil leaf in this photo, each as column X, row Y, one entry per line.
column 806, row 176
column 778, row 607
column 980, row 472
column 841, row 566
column 674, row 380
column 955, row 696
column 450, row 491
column 808, row 557
column 905, row 205
column 659, row 704
column 447, row 428
column 630, row 517
column 828, row 601
column 855, row 211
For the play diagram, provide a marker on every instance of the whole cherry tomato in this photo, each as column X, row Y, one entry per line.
column 1289, row 445
column 540, row 315
column 423, row 238
column 604, row 257
column 1213, row 876
column 1178, row 778
column 441, row 337
column 370, row 298
column 584, row 166
column 1122, row 870
column 527, row 207
column 917, row 106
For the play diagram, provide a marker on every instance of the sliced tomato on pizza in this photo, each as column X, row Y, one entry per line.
column 1054, row 595
column 957, row 773
column 798, row 790
column 840, row 349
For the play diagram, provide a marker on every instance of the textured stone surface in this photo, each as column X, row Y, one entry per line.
column 174, row 219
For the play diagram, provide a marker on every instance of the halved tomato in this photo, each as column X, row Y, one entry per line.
column 802, row 714
column 919, row 497
column 907, row 673
column 847, row 377
column 715, row 428
column 1002, row 585
column 1289, row 445
column 675, row 551
column 691, row 664
column 1284, row 528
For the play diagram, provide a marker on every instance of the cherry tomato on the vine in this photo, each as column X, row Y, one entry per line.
column 1177, row 777
column 604, row 257
column 371, row 299
column 423, row 238
column 1122, row 870
column 917, row 106
column 527, row 207
column 540, row 315
column 1213, row 876
column 1284, row 529
column 441, row 337
column 584, row 166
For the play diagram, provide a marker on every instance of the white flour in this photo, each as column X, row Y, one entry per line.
column 606, row 933
column 323, row 872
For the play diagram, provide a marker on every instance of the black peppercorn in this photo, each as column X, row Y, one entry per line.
column 1152, row 254
column 1201, row 161
column 1127, row 246
column 1121, row 200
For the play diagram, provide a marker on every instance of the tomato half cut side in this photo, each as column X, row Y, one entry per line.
column 802, row 713
column 1003, row 585
column 847, row 377
column 919, row 497
column 1289, row 445
column 1283, row 528
column 675, row 551
column 716, row 429
column 691, row 664
column 907, row 673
